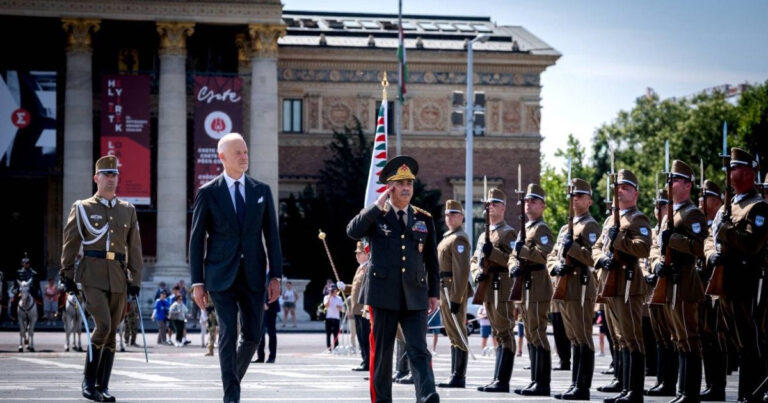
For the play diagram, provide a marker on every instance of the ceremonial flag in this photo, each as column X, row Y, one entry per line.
column 378, row 157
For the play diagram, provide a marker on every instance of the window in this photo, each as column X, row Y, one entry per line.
column 390, row 116
column 292, row 116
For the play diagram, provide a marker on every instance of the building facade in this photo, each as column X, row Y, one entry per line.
column 303, row 75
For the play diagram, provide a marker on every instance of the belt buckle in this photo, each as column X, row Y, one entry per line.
column 110, row 256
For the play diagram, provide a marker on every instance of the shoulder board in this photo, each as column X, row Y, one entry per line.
column 421, row 210
column 508, row 227
column 637, row 213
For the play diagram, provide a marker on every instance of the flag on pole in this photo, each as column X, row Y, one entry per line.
column 402, row 66
column 378, row 157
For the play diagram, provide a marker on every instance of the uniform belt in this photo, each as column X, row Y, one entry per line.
column 105, row 255
column 444, row 274
column 498, row 269
column 535, row 267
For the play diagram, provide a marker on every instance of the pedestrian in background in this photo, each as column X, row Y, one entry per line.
column 51, row 300
column 178, row 315
column 160, row 315
column 289, row 296
column 270, row 329
column 333, row 305
column 212, row 325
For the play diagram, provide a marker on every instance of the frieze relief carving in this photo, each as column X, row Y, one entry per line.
column 79, row 33
column 322, row 74
column 337, row 113
column 511, row 119
column 173, row 37
column 314, row 112
column 533, row 118
column 363, row 106
column 431, row 114
column 406, row 115
column 494, row 114
column 425, row 141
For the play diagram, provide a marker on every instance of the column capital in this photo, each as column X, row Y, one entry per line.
column 79, row 33
column 264, row 39
column 173, row 36
column 244, row 52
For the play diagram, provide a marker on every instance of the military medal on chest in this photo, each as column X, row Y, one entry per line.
column 420, row 227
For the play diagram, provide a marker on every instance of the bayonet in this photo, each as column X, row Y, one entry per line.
column 459, row 330
column 141, row 326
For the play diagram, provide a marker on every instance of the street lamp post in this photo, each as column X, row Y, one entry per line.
column 470, row 133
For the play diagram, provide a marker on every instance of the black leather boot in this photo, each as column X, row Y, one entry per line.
column 717, row 366
column 496, row 365
column 615, row 384
column 89, row 375
column 447, row 382
column 459, row 369
column 623, row 358
column 667, row 375
column 501, row 383
column 584, row 378
column 691, row 379
column 543, row 374
column 103, row 374
column 574, row 371
column 636, row 378
column 532, row 354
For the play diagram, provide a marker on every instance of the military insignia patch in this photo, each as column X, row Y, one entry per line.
column 384, row 229
column 420, row 226
column 96, row 217
column 261, row 200
column 544, row 239
column 592, row 237
column 696, row 227
column 512, row 244
column 460, row 248
column 759, row 220
column 644, row 231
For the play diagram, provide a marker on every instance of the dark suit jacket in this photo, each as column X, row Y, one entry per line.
column 216, row 261
column 400, row 269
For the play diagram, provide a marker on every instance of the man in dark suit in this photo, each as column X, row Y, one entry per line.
column 234, row 211
column 402, row 278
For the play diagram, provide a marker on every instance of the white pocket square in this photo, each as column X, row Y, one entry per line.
column 261, row 200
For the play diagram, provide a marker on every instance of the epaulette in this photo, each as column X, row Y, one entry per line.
column 421, row 210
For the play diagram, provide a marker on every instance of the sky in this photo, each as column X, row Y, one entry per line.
column 613, row 50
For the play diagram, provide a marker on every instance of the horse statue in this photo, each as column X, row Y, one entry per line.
column 72, row 324
column 27, row 316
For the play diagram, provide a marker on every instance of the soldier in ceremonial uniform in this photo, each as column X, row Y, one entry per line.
column 131, row 323
column 25, row 273
column 737, row 242
column 580, row 283
column 619, row 248
column 362, row 326
column 528, row 261
column 500, row 311
column 453, row 254
column 110, row 270
column 685, row 241
column 402, row 279
column 713, row 328
column 666, row 356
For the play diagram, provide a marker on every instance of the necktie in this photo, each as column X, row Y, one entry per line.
column 239, row 205
column 400, row 218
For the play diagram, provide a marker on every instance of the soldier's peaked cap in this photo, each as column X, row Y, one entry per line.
column 535, row 191
column 107, row 165
column 580, row 186
column 741, row 157
column 495, row 195
column 626, row 176
column 681, row 170
column 662, row 196
column 711, row 189
column 453, row 206
column 399, row 168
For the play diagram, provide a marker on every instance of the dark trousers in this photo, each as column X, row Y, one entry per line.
column 178, row 328
column 233, row 358
column 414, row 325
column 331, row 333
column 752, row 369
column 270, row 329
column 562, row 344
column 363, row 330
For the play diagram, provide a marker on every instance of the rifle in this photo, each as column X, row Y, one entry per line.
column 562, row 284
column 609, row 287
column 715, row 287
column 660, row 292
column 479, row 296
column 516, row 294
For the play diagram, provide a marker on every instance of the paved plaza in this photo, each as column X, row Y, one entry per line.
column 303, row 372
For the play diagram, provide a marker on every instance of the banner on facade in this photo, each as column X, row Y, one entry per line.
column 27, row 121
column 125, row 133
column 218, row 111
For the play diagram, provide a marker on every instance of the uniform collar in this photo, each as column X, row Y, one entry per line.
column 581, row 217
column 529, row 224
column 449, row 232
column 500, row 224
column 108, row 203
column 741, row 196
column 395, row 209
column 623, row 212
column 678, row 206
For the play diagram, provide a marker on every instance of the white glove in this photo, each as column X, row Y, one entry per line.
column 341, row 285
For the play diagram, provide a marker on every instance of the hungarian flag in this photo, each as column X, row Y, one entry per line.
column 378, row 157
column 402, row 68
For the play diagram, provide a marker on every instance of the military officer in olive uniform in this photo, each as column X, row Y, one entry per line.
column 402, row 278
column 685, row 241
column 500, row 311
column 580, row 283
column 107, row 229
column 453, row 254
column 528, row 261
column 737, row 242
column 666, row 355
column 362, row 326
column 620, row 248
column 713, row 327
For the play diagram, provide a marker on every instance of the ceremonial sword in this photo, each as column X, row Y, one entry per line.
column 141, row 325
column 79, row 307
column 458, row 328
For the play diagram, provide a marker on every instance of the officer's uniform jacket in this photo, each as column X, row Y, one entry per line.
column 585, row 233
column 357, row 285
column 749, row 215
column 120, row 236
column 634, row 239
column 502, row 237
column 403, row 265
column 453, row 254
column 686, row 244
column 538, row 244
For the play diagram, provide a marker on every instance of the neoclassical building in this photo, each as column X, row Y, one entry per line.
column 298, row 76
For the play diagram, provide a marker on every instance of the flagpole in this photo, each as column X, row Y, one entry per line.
column 399, row 104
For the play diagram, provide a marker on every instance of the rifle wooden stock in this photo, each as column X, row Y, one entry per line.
column 516, row 293
column 715, row 287
column 479, row 296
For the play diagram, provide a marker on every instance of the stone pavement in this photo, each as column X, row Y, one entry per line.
column 304, row 372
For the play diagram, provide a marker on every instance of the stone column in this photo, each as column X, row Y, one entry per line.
column 78, row 112
column 263, row 145
column 172, row 153
column 243, row 44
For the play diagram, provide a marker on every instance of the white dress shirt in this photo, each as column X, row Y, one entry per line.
column 231, row 186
